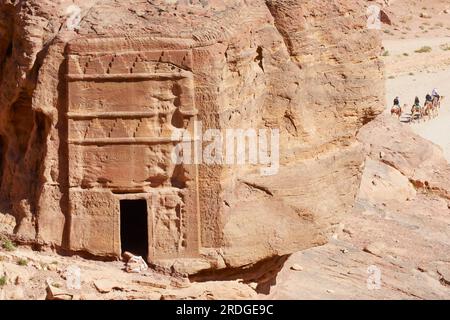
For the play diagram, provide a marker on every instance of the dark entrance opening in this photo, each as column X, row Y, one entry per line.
column 2, row 151
column 133, row 227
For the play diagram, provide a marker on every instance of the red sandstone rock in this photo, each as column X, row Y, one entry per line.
column 399, row 228
column 87, row 114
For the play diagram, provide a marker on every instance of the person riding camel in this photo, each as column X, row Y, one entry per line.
column 396, row 102
column 416, row 106
column 396, row 109
column 435, row 94
column 428, row 106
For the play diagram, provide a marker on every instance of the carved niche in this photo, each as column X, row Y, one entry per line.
column 122, row 110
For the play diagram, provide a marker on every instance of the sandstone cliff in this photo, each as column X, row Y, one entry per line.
column 398, row 228
column 307, row 68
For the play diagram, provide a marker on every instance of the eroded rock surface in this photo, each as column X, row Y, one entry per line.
column 87, row 112
column 41, row 275
column 395, row 245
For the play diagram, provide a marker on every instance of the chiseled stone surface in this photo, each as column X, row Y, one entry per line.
column 87, row 115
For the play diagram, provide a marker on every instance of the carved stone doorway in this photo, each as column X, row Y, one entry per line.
column 134, row 227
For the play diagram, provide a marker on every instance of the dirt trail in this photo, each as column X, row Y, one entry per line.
column 437, row 130
column 419, row 83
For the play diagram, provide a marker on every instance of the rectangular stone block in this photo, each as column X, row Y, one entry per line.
column 94, row 222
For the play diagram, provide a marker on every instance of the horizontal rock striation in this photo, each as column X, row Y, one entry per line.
column 90, row 92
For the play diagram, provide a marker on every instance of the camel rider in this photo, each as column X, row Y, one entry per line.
column 416, row 105
column 428, row 98
column 435, row 94
column 396, row 102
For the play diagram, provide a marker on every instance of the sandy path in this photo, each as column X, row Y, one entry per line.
column 402, row 58
column 410, row 83
column 437, row 130
column 410, row 45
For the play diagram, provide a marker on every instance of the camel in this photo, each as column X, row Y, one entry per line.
column 436, row 105
column 397, row 110
column 429, row 109
column 416, row 110
column 437, row 102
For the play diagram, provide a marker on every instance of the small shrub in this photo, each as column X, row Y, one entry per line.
column 424, row 49
column 406, row 54
column 391, row 77
column 22, row 262
column 2, row 281
column 8, row 245
column 445, row 47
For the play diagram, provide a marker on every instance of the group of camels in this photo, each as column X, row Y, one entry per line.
column 429, row 110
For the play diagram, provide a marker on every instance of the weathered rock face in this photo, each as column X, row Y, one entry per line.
column 88, row 116
column 399, row 228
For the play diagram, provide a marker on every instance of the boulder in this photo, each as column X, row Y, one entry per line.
column 54, row 293
column 381, row 184
column 107, row 285
column 417, row 159
column 136, row 265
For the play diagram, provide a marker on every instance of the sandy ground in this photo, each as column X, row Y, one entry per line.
column 402, row 58
column 411, row 73
column 417, row 74
column 416, row 18
column 437, row 130
column 32, row 275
